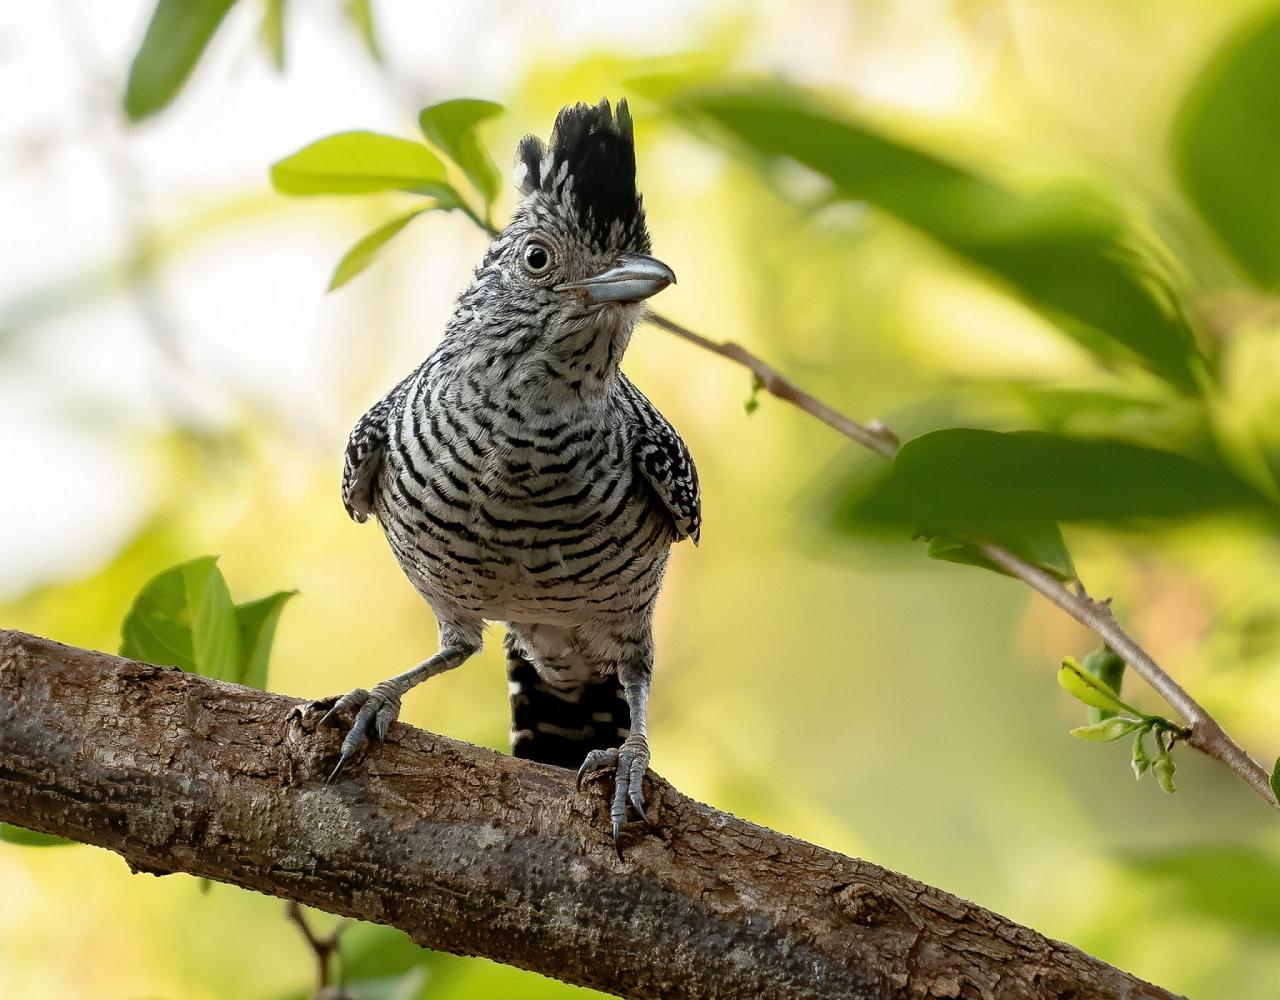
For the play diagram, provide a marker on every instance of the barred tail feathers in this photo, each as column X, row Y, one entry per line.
column 560, row 726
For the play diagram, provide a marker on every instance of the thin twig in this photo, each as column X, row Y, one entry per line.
column 1206, row 733
column 874, row 436
column 322, row 947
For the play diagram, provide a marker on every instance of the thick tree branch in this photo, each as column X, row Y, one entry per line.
column 476, row 853
column 1205, row 733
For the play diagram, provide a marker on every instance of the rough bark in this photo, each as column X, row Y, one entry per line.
column 476, row 853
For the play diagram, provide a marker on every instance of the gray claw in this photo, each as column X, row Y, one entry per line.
column 629, row 763
column 333, row 775
column 637, row 802
column 349, row 700
column 377, row 710
column 597, row 760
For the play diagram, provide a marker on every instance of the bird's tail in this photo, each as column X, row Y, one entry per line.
column 561, row 726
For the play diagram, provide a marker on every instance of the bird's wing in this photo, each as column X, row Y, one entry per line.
column 665, row 463
column 365, row 447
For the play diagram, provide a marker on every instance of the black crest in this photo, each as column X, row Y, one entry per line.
column 591, row 169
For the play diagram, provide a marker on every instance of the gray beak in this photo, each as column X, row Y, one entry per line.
column 632, row 279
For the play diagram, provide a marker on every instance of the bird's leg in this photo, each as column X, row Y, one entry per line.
column 631, row 760
column 379, row 707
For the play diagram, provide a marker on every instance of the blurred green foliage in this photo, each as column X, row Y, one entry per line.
column 966, row 479
column 176, row 38
column 1226, row 144
column 1065, row 248
column 1064, row 252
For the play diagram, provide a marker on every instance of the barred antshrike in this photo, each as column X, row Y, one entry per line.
column 520, row 477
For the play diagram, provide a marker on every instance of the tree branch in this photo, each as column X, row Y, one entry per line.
column 1205, row 732
column 476, row 853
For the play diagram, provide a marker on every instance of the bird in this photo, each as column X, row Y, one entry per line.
column 520, row 477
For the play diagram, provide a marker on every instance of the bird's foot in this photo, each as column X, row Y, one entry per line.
column 628, row 762
column 377, row 709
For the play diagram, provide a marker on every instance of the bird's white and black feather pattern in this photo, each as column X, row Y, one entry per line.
column 665, row 462
column 363, row 459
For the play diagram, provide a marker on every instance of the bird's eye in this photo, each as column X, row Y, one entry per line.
column 536, row 258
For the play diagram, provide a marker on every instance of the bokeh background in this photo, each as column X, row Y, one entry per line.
column 174, row 381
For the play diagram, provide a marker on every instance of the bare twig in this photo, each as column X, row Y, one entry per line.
column 1205, row 733
column 323, row 947
column 473, row 852
column 874, row 436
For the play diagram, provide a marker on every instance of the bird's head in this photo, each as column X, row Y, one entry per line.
column 575, row 257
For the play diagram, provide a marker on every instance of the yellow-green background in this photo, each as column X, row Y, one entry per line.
column 851, row 693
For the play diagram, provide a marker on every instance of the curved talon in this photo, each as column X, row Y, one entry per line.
column 352, row 698
column 377, row 710
column 629, row 763
column 597, row 760
column 637, row 802
column 342, row 762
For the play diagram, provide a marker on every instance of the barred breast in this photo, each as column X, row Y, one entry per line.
column 516, row 511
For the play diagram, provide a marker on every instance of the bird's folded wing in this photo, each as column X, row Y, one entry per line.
column 663, row 460
column 365, row 448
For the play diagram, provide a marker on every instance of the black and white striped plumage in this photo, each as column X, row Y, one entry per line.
column 520, row 476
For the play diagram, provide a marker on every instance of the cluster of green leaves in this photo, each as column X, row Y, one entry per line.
column 358, row 163
column 180, row 31
column 184, row 617
column 1096, row 683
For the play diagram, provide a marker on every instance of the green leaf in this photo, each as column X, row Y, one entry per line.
column 272, row 32
column 176, row 37
column 1108, row 730
column 367, row 249
column 1275, row 779
column 184, row 618
column 359, row 163
column 1139, row 759
column 1228, row 886
column 360, row 14
column 1109, row 669
column 1068, row 252
column 978, row 482
column 451, row 127
column 257, row 621
column 22, row 837
column 1163, row 768
column 1083, row 686
column 1039, row 544
column 1226, row 147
